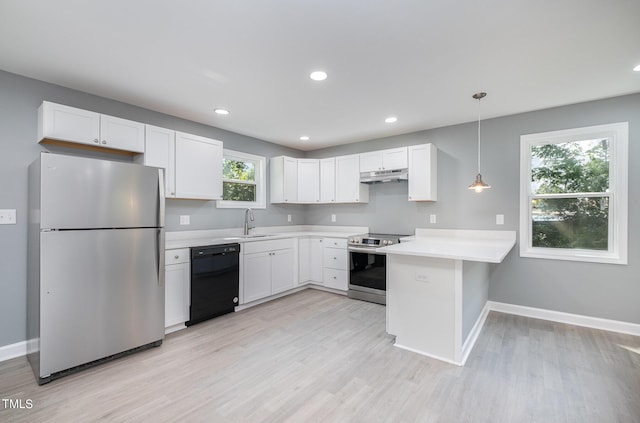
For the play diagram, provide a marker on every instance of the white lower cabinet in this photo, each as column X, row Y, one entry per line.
column 283, row 270
column 310, row 253
column 269, row 267
column 257, row 276
column 336, row 279
column 177, row 287
column 335, row 264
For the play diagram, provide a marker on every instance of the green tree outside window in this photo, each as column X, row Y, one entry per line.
column 238, row 180
column 570, row 199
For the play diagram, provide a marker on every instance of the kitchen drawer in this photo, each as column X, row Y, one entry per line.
column 336, row 279
column 335, row 258
column 181, row 255
column 270, row 245
column 335, row 242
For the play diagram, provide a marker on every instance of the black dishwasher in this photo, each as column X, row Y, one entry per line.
column 215, row 275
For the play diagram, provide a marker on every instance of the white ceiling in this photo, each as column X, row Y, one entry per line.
column 419, row 60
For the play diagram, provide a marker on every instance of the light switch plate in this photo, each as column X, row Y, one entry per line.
column 288, row 218
column 8, row 217
column 185, row 219
column 432, row 218
column 499, row 219
column 333, row 217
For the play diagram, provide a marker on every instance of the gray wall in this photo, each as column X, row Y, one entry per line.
column 598, row 290
column 19, row 100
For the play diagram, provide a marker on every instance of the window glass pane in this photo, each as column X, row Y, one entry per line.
column 238, row 192
column 577, row 166
column 571, row 223
column 239, row 170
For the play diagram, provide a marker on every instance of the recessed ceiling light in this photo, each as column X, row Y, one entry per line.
column 318, row 75
column 304, row 138
column 637, row 68
column 221, row 111
column 391, row 119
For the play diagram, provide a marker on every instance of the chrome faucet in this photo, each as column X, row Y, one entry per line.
column 248, row 215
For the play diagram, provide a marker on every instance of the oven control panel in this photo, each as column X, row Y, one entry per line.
column 372, row 242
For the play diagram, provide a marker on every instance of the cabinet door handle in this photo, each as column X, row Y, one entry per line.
column 176, row 257
column 96, row 141
column 104, row 141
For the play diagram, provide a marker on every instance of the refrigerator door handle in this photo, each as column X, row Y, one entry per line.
column 160, row 252
column 161, row 197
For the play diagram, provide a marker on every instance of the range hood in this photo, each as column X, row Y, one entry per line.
column 381, row 176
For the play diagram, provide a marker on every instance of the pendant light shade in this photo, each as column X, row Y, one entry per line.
column 479, row 184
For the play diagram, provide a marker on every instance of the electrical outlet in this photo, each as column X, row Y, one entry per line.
column 8, row 217
column 432, row 218
column 333, row 217
column 499, row 219
column 185, row 219
column 288, row 218
column 421, row 277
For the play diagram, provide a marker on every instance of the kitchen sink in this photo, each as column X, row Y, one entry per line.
column 230, row 238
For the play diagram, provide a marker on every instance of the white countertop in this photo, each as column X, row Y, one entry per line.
column 188, row 239
column 471, row 245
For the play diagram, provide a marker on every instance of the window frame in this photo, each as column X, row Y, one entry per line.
column 260, row 181
column 618, row 136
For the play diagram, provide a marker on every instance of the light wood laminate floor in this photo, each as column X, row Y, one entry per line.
column 316, row 356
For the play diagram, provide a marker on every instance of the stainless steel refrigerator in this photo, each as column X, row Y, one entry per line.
column 95, row 262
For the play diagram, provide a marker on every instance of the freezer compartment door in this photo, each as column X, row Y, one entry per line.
column 79, row 192
column 100, row 295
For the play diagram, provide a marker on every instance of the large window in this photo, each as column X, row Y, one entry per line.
column 242, row 180
column 573, row 194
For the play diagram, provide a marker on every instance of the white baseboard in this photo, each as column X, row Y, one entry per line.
column 174, row 328
column 571, row 319
column 325, row 289
column 426, row 354
column 18, row 349
column 474, row 334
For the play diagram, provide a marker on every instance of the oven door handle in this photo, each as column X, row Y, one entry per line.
column 365, row 250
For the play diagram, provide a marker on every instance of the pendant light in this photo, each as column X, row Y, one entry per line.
column 479, row 184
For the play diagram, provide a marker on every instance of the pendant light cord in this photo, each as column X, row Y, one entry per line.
column 479, row 134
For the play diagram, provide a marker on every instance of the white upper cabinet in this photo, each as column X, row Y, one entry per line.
column 69, row 124
column 371, row 161
column 423, row 172
column 348, row 186
column 284, row 179
column 308, row 181
column 121, row 134
column 328, row 180
column 159, row 151
column 391, row 159
column 192, row 164
column 198, row 167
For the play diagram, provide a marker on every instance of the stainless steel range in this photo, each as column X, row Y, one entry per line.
column 368, row 270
